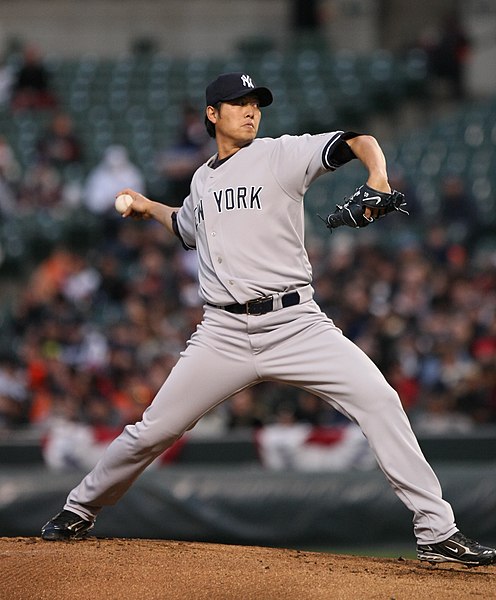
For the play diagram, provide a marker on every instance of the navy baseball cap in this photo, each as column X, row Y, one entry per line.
column 230, row 86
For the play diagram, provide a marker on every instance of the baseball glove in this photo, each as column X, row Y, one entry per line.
column 352, row 212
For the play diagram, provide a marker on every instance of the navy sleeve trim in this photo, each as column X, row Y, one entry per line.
column 176, row 230
column 337, row 152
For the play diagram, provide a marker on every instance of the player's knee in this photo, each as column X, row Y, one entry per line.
column 384, row 397
column 150, row 441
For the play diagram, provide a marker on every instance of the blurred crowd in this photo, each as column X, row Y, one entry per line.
column 94, row 333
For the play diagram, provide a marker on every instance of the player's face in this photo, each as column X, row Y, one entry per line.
column 238, row 120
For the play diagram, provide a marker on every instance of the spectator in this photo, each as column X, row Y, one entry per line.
column 177, row 163
column 476, row 395
column 440, row 417
column 14, row 399
column 41, row 188
column 10, row 174
column 306, row 16
column 437, row 245
column 244, row 410
column 449, row 55
column 69, row 442
column 59, row 145
column 7, row 198
column 310, row 409
column 31, row 89
column 114, row 172
column 448, row 47
column 10, row 170
column 6, row 81
column 82, row 282
column 406, row 386
column 461, row 223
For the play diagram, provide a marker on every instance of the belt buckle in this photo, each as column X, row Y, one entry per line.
column 255, row 303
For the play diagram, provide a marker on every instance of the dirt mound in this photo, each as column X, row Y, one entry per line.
column 102, row 569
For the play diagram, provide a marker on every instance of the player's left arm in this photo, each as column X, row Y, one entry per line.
column 366, row 148
column 374, row 199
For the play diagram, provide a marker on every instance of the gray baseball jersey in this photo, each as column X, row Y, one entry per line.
column 245, row 218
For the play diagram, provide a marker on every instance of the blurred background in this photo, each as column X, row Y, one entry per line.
column 94, row 310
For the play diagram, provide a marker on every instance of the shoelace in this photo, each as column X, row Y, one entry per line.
column 459, row 537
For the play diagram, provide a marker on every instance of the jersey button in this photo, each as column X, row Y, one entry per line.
column 219, row 259
column 213, row 234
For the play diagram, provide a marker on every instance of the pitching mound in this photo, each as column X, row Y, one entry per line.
column 102, row 569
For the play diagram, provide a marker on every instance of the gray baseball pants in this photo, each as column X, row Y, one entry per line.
column 297, row 345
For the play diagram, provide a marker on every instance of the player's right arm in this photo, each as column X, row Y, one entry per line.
column 144, row 208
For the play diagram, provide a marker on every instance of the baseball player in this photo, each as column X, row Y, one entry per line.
column 244, row 217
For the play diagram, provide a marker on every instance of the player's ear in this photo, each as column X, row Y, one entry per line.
column 211, row 114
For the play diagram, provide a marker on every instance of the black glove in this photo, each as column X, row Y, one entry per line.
column 352, row 212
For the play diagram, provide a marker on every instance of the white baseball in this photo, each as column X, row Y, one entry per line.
column 122, row 202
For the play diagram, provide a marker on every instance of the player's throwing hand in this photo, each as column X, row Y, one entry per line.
column 131, row 204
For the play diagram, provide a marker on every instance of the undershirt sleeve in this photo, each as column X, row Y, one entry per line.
column 176, row 230
column 337, row 152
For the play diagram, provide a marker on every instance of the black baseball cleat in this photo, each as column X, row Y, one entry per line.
column 459, row 549
column 66, row 526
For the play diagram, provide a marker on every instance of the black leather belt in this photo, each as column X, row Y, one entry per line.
column 260, row 306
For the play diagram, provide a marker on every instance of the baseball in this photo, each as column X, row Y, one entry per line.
column 122, row 202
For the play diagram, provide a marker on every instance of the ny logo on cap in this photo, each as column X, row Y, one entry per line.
column 247, row 82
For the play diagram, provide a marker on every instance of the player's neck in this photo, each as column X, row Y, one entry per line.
column 225, row 150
